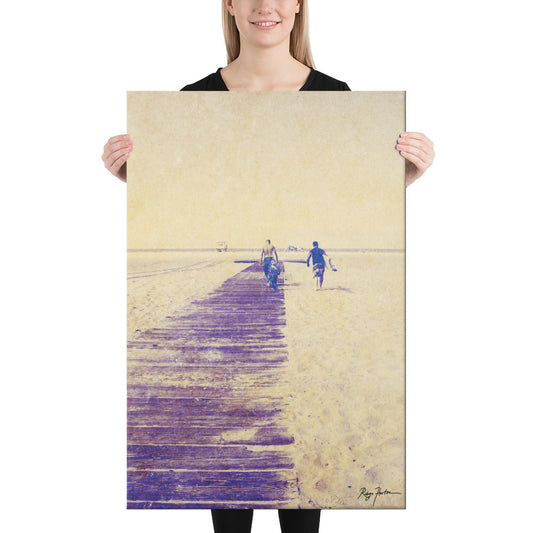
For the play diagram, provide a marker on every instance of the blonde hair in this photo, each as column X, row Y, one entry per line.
column 299, row 48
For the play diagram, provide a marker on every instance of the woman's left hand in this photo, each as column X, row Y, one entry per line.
column 418, row 152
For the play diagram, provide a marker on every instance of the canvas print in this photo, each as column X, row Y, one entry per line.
column 266, row 297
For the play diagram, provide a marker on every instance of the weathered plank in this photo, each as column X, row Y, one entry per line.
column 205, row 416
column 258, row 435
column 213, row 457
column 203, row 485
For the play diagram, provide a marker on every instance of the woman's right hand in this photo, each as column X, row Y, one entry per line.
column 116, row 152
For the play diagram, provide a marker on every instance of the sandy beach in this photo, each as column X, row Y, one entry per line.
column 346, row 366
column 161, row 284
column 329, row 388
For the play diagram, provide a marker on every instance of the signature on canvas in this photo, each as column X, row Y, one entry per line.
column 378, row 491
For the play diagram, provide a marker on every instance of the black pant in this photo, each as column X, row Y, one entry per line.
column 290, row 520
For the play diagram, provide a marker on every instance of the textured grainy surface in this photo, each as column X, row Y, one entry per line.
column 212, row 351
column 346, row 370
column 205, row 409
column 247, row 166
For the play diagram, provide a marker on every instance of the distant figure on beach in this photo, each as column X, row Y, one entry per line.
column 319, row 264
column 267, row 256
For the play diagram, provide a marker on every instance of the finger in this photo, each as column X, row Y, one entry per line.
column 404, row 144
column 416, row 160
column 118, row 150
column 418, row 139
column 109, row 156
column 117, row 138
column 116, row 143
column 413, row 150
column 421, row 154
column 125, row 152
column 421, row 161
column 119, row 146
column 413, row 135
column 418, row 136
column 117, row 164
column 116, row 158
column 411, row 142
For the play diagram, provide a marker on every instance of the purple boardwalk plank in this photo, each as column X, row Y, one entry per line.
column 261, row 436
column 200, row 486
column 206, row 425
column 213, row 458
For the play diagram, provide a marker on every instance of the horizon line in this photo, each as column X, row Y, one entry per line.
column 212, row 249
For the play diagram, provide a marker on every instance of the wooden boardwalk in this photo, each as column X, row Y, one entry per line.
column 205, row 404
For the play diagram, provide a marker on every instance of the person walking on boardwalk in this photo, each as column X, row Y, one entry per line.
column 267, row 256
column 319, row 264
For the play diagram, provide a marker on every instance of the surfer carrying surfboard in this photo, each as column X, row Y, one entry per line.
column 319, row 264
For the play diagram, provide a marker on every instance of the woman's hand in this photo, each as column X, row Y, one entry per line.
column 116, row 152
column 418, row 152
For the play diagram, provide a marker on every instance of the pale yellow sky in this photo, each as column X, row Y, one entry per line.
column 242, row 167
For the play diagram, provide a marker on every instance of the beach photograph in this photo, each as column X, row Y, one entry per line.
column 469, row 288
column 266, row 302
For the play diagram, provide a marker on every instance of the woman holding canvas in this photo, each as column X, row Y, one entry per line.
column 268, row 49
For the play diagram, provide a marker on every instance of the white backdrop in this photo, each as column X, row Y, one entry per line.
column 66, row 68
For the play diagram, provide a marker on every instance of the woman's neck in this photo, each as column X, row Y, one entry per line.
column 270, row 69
